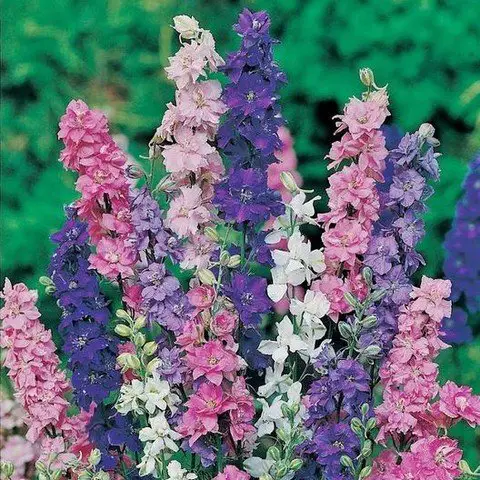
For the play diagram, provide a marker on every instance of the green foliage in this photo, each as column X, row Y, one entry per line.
column 111, row 54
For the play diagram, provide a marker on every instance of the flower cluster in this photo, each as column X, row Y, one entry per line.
column 91, row 350
column 353, row 197
column 186, row 372
column 186, row 138
column 39, row 384
column 105, row 202
column 391, row 254
column 462, row 262
column 409, row 414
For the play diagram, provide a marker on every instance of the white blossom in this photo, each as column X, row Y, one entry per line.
column 270, row 415
column 312, row 308
column 302, row 209
column 160, row 435
column 130, row 397
column 176, row 472
column 157, row 395
column 275, row 381
column 186, row 26
column 286, row 341
column 257, row 466
column 148, row 464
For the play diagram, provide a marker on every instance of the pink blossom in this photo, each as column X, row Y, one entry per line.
column 113, row 257
column 223, row 323
column 372, row 154
column 212, row 361
column 200, row 106
column 187, row 212
column 363, row 117
column 197, row 253
column 231, row 472
column 192, row 335
column 204, row 407
column 189, row 152
column 346, row 147
column 459, row 403
column 19, row 305
column 431, row 297
column 384, row 466
column 242, row 414
column 346, row 240
column 83, row 130
column 437, row 458
column 201, row 297
column 187, row 65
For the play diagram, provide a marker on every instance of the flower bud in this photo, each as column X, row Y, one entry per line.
column 206, row 276
column 153, row 365
column 140, row 322
column 266, row 476
column 101, row 475
column 122, row 359
column 289, row 182
column 282, row 471
column 123, row 315
column 372, row 351
column 165, row 184
column 351, row 299
column 133, row 362
column 139, row 339
column 123, row 330
column 49, row 289
column 6, row 469
column 94, row 457
column 134, row 172
column 366, row 449
column 150, row 348
column 464, row 467
column 365, row 409
column 41, row 467
column 365, row 472
column 366, row 77
column 371, row 424
column 369, row 321
column 274, row 453
column 186, row 26
column 45, row 281
column 55, row 475
column 427, row 132
column 345, row 330
column 356, row 425
column 367, row 275
column 85, row 476
column 282, row 435
column 346, row 461
column 234, row 261
column 211, row 234
column 296, row 464
column 224, row 258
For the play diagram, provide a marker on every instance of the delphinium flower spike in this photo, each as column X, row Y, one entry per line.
column 90, row 348
column 416, row 412
column 462, row 260
column 105, row 190
column 39, row 383
column 391, row 254
column 353, row 196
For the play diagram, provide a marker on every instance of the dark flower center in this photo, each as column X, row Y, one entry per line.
column 250, row 96
column 247, row 298
column 245, row 195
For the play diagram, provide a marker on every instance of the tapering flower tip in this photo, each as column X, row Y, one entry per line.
column 366, row 77
column 289, row 182
column 426, row 132
column 186, row 26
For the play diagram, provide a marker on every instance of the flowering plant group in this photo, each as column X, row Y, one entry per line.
column 269, row 356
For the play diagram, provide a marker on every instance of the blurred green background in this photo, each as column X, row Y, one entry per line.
column 111, row 53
